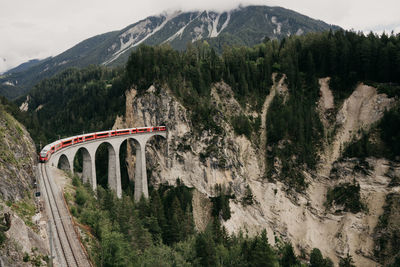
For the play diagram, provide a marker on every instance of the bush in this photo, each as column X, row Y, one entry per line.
column 26, row 257
column 74, row 211
column 242, row 126
column 248, row 197
column 81, row 196
column 2, row 237
column 345, row 194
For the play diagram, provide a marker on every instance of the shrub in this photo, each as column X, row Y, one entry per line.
column 242, row 126
column 345, row 194
column 2, row 237
column 81, row 196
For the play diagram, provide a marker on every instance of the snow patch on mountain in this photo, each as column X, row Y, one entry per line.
column 299, row 31
column 9, row 83
column 181, row 30
column 138, row 34
column 198, row 33
column 226, row 22
column 278, row 25
column 214, row 32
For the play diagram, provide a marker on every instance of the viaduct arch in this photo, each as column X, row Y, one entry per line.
column 64, row 159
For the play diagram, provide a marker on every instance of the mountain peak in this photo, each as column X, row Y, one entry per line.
column 242, row 25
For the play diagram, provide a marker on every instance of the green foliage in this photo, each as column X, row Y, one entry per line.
column 81, row 196
column 242, row 125
column 317, row 260
column 25, row 210
column 387, row 232
column 345, row 194
column 288, row 257
column 160, row 232
column 162, row 256
column 390, row 89
column 383, row 140
column 206, row 250
column 390, row 131
column 347, row 261
column 26, row 257
column 368, row 145
column 3, row 237
column 257, row 251
column 221, row 204
column 248, row 197
column 73, row 102
column 294, row 131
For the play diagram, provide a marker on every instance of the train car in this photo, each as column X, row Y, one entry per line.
column 45, row 153
column 143, row 130
column 49, row 149
column 102, row 134
column 78, row 139
column 90, row 137
column 122, row 132
column 66, row 142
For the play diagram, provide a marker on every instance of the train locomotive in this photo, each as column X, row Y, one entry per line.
column 49, row 149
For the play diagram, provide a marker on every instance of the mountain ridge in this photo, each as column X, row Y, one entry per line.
column 240, row 26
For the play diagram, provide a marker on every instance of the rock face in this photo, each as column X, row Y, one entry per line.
column 203, row 160
column 21, row 245
column 17, row 158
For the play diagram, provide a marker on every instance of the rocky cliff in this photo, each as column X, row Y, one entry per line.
column 22, row 232
column 204, row 159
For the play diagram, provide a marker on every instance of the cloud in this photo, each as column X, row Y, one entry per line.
column 41, row 28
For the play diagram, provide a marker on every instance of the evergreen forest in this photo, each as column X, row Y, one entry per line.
column 160, row 231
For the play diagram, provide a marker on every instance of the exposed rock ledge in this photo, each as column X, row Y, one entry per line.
column 299, row 218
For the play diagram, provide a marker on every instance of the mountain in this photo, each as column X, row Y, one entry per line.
column 25, row 66
column 242, row 26
column 21, row 223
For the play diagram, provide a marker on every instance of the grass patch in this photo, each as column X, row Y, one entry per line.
column 25, row 209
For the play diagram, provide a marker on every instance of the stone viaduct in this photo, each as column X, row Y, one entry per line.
column 65, row 159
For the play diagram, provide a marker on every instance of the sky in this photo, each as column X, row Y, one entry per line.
column 31, row 29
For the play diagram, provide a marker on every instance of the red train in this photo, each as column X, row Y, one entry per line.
column 49, row 149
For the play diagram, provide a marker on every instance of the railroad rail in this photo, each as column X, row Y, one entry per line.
column 68, row 247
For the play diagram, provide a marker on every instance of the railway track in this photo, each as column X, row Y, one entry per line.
column 68, row 247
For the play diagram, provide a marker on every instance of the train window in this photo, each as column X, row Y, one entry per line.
column 122, row 132
column 101, row 135
column 89, row 137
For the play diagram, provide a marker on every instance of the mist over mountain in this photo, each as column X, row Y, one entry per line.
column 242, row 26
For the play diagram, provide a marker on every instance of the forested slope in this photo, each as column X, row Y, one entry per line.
column 296, row 136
